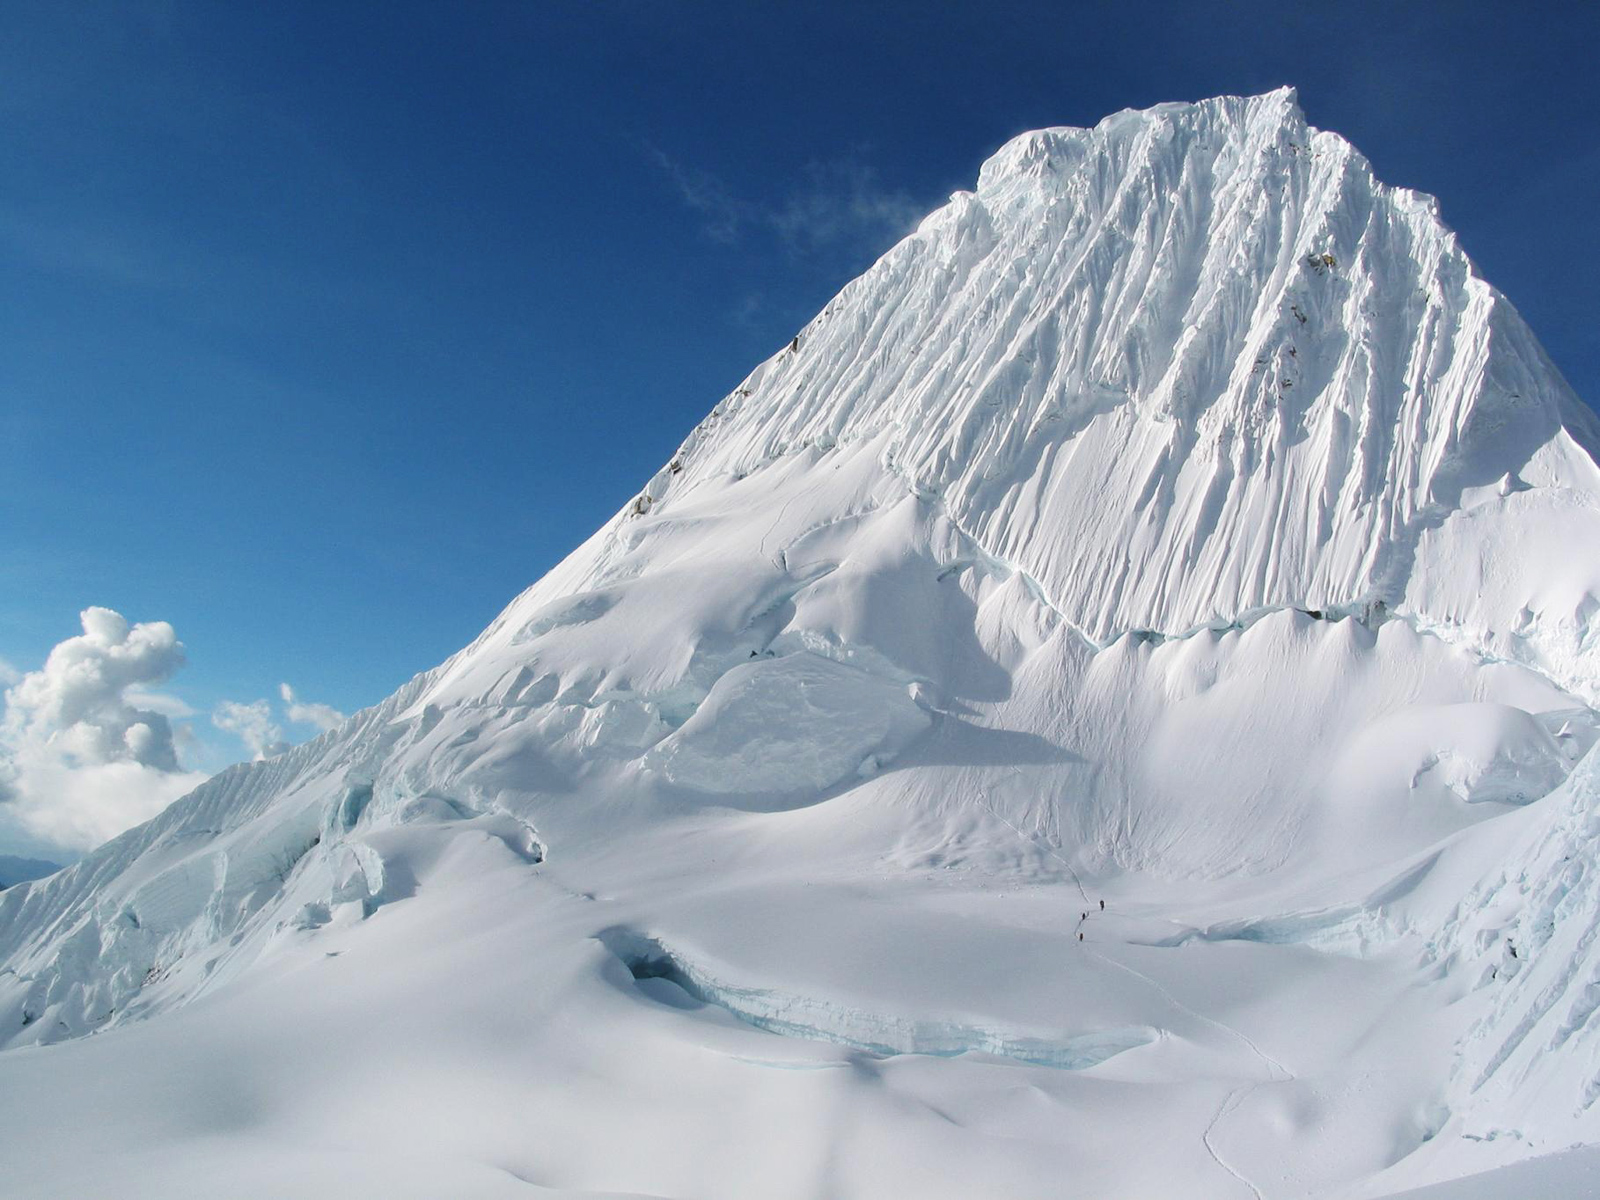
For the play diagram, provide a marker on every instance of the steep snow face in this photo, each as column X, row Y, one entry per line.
column 1191, row 364
column 1175, row 520
column 1195, row 361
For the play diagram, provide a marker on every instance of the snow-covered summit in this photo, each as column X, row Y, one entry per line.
column 1191, row 362
column 1176, row 520
column 1189, row 366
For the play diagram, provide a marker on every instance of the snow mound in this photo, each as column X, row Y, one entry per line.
column 1476, row 752
column 797, row 724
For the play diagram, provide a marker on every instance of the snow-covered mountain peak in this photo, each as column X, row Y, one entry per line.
column 1190, row 363
column 1174, row 520
column 1273, row 118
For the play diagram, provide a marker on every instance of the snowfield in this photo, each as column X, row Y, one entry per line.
column 1107, row 712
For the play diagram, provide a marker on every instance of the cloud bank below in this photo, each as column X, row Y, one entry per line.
column 89, row 747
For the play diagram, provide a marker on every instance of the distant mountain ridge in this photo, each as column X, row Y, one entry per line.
column 18, row 870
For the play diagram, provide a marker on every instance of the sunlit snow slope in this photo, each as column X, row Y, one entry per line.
column 1175, row 522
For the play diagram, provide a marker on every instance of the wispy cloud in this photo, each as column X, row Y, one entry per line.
column 844, row 201
column 103, row 255
column 834, row 205
column 308, row 712
column 747, row 312
column 253, row 725
column 725, row 216
column 259, row 728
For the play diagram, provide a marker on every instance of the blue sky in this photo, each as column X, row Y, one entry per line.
column 329, row 327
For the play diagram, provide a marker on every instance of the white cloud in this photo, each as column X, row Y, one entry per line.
column 85, row 748
column 88, row 744
column 78, row 807
column 305, row 712
column 77, row 701
column 253, row 725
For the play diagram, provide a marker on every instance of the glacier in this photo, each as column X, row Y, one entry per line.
column 1108, row 709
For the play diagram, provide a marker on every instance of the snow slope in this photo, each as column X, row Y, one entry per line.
column 1175, row 521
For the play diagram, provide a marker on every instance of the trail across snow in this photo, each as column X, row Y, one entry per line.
column 1276, row 1071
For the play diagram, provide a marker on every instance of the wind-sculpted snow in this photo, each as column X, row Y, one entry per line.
column 1191, row 362
column 1524, row 937
column 1153, row 610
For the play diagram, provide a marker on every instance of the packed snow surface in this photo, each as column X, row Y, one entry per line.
column 1107, row 711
